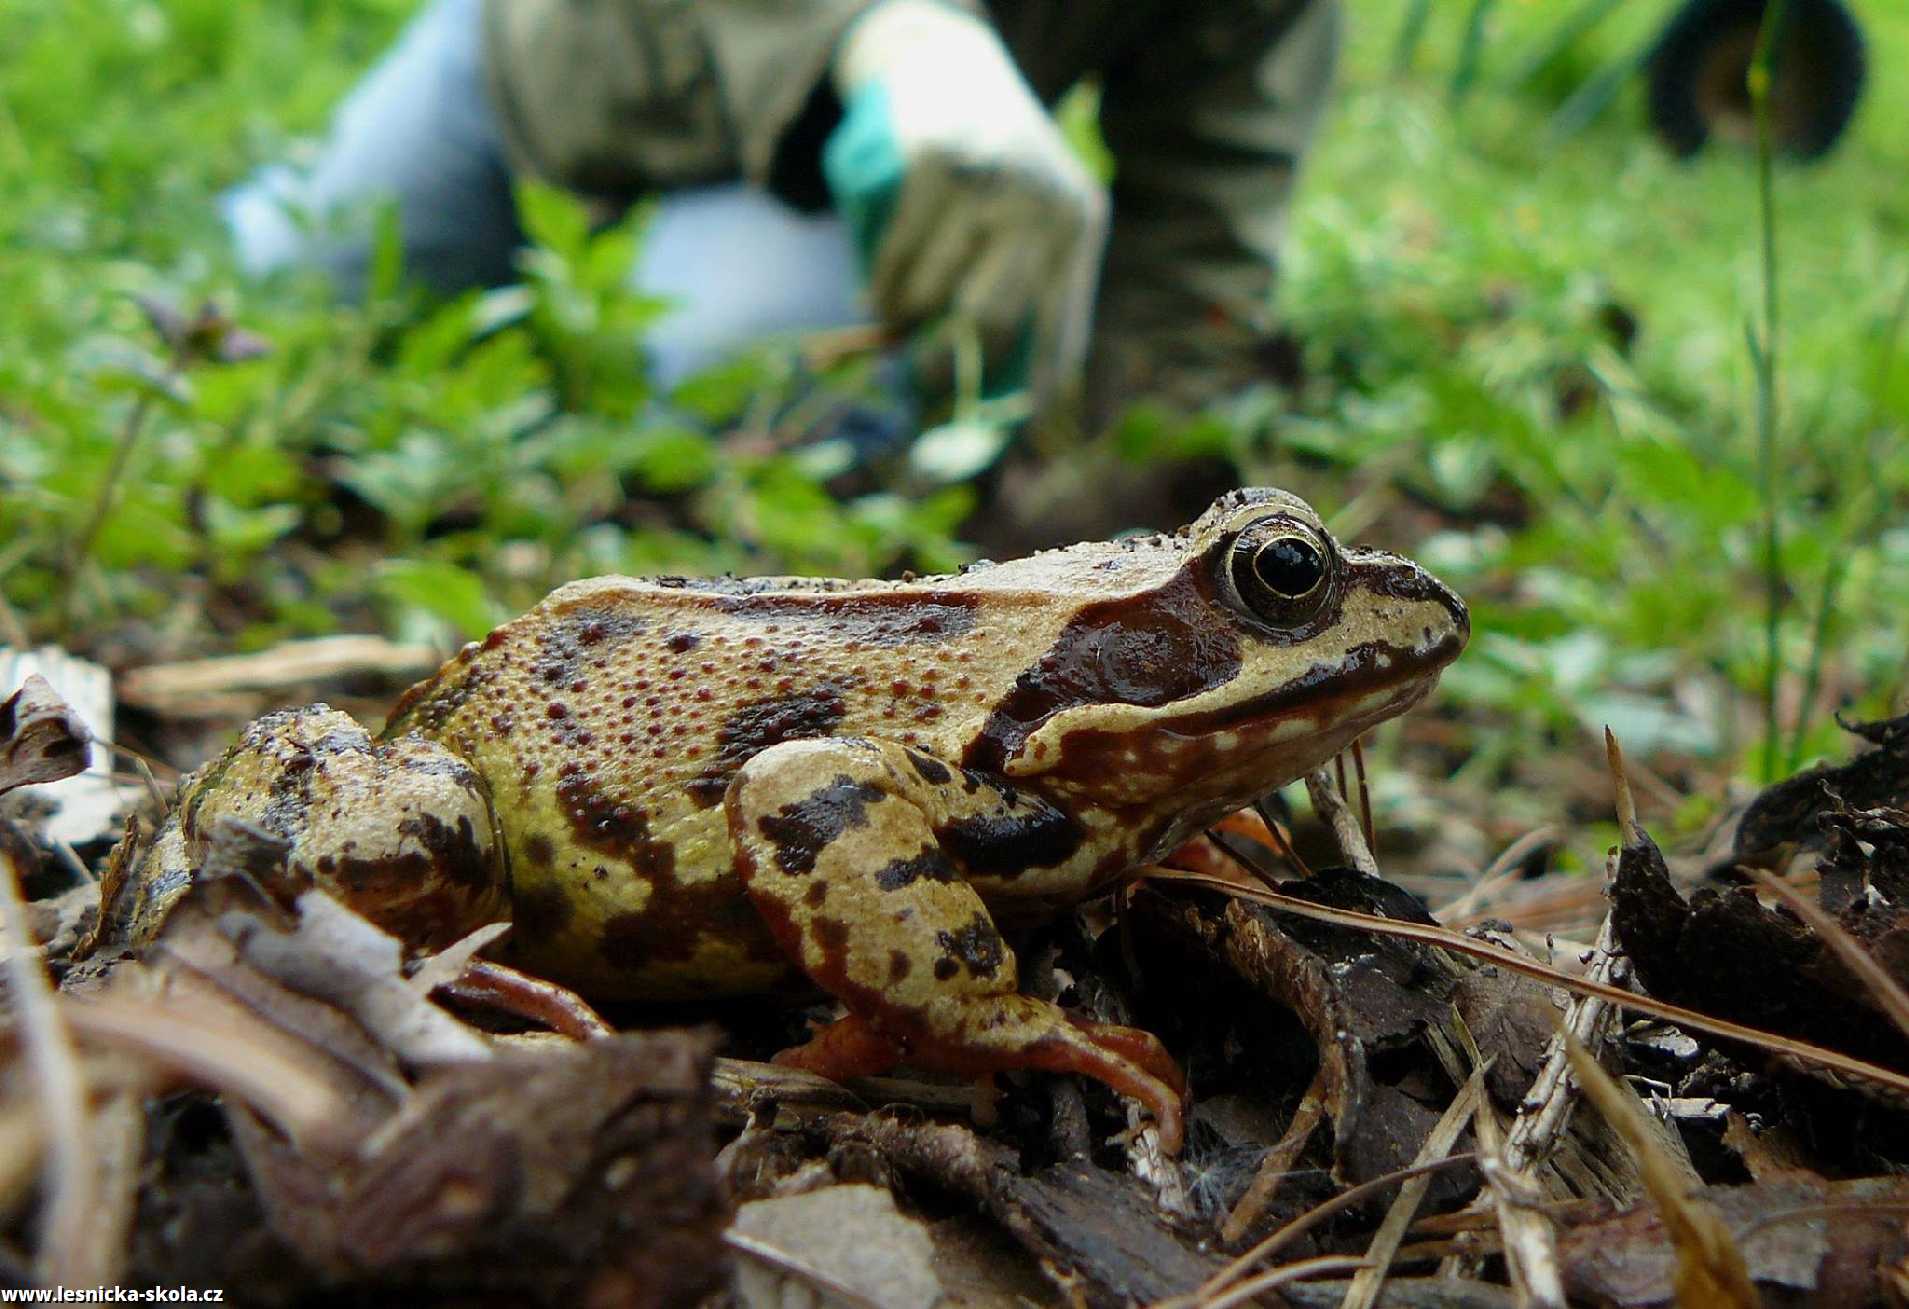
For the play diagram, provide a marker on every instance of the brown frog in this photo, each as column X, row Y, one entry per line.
column 685, row 787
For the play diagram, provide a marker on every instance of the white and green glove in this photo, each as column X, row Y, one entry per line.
column 964, row 197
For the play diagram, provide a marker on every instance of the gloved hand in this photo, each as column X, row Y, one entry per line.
column 962, row 192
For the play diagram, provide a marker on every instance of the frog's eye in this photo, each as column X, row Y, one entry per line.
column 1290, row 567
column 1280, row 573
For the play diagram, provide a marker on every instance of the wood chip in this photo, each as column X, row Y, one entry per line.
column 41, row 738
column 87, row 806
column 186, row 687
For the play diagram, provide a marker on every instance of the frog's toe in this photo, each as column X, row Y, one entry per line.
column 1138, row 1047
column 1017, row 1031
column 1007, row 1032
column 1129, row 1062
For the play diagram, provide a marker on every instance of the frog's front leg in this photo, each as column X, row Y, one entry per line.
column 855, row 852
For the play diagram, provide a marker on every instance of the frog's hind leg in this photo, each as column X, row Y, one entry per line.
column 836, row 842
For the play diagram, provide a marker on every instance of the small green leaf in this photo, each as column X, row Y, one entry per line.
column 671, row 459
column 957, row 451
column 554, row 219
column 387, row 256
column 445, row 591
column 719, row 394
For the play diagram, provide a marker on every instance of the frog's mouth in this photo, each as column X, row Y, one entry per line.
column 1229, row 753
column 1373, row 682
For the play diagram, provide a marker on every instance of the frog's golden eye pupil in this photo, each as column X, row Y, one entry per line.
column 1290, row 566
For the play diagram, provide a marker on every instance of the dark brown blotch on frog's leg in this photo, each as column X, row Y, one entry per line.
column 831, row 938
column 923, row 970
column 537, row 915
column 930, row 770
column 800, row 830
column 976, row 944
column 426, row 897
column 929, row 863
column 456, row 855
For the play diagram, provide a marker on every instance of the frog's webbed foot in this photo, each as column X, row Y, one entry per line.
column 840, row 843
column 1138, row 1047
column 851, row 1046
column 1020, row 1032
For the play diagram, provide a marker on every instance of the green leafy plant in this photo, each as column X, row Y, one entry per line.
column 428, row 467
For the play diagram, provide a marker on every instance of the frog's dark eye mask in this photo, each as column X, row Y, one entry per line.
column 1279, row 572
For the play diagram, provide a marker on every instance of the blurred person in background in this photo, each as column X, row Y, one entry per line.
column 817, row 162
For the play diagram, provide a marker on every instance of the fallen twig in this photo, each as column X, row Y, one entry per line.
column 1527, row 1238
column 784, row 1262
column 1338, row 815
column 168, row 688
column 1273, row 1278
column 1278, row 1162
column 1710, row 1267
column 214, row 1057
column 1507, row 867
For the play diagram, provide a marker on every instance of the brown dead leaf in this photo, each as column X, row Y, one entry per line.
column 41, row 738
column 1787, row 812
column 1360, row 997
column 1273, row 965
column 1723, row 953
column 1096, row 1232
column 1867, row 858
column 561, row 1173
column 1832, row 1066
column 386, row 1139
column 335, row 956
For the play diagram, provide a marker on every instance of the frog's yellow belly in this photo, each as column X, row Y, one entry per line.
column 625, row 907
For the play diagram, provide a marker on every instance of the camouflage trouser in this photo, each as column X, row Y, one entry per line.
column 419, row 133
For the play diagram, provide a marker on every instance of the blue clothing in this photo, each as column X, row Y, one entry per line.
column 420, row 131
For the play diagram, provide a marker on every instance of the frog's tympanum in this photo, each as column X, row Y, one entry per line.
column 686, row 787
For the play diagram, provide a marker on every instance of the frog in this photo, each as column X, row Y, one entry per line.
column 681, row 788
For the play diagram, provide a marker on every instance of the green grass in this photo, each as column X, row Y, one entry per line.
column 429, row 469
column 1464, row 282
column 1456, row 273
